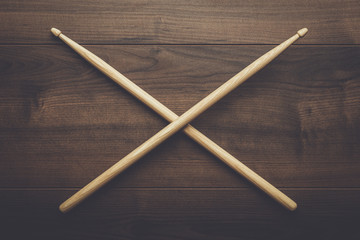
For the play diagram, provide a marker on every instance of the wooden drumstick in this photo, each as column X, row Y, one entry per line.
column 178, row 123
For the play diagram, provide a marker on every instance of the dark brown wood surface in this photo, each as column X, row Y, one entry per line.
column 296, row 122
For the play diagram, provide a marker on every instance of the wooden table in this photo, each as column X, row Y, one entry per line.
column 296, row 123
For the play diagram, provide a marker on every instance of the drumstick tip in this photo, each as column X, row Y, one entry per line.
column 55, row 31
column 302, row 32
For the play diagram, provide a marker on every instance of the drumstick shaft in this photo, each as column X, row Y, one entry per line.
column 178, row 123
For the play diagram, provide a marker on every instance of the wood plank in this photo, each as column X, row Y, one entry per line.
column 296, row 122
column 71, row 158
column 180, row 214
column 180, row 22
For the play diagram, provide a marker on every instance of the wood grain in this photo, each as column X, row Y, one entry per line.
column 219, row 214
column 59, row 125
column 296, row 122
column 180, row 22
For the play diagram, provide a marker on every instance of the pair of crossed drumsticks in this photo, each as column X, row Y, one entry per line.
column 178, row 123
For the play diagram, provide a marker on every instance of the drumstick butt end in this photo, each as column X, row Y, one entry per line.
column 292, row 206
column 302, row 32
column 63, row 208
column 55, row 31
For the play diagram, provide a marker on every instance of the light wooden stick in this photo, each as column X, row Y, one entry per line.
column 178, row 123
